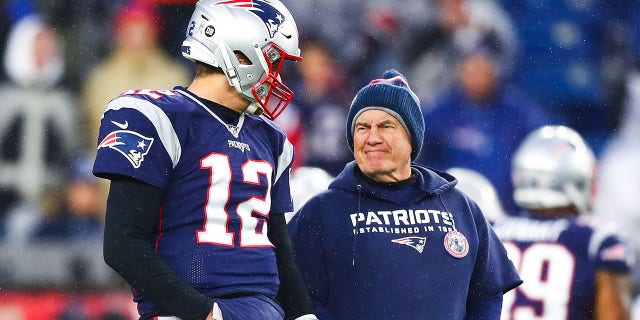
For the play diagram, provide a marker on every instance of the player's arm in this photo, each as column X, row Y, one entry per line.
column 292, row 295
column 613, row 295
column 131, row 220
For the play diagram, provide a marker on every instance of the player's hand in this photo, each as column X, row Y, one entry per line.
column 307, row 317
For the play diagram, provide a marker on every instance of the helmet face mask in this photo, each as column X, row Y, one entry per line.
column 553, row 168
column 270, row 92
column 263, row 31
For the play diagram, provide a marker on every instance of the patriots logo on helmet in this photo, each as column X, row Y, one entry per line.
column 616, row 252
column 417, row 243
column 263, row 9
column 130, row 144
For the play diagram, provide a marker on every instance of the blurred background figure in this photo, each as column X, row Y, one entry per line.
column 305, row 183
column 136, row 60
column 480, row 190
column 479, row 123
column 459, row 27
column 617, row 201
column 320, row 107
column 78, row 218
column 573, row 267
column 12, row 11
column 65, row 212
column 38, row 124
column 573, row 59
column 376, row 36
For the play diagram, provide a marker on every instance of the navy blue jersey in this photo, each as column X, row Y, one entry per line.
column 420, row 252
column 557, row 260
column 220, row 182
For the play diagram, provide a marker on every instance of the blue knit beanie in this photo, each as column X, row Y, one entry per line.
column 390, row 94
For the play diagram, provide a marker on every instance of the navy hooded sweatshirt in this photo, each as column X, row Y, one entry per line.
column 421, row 251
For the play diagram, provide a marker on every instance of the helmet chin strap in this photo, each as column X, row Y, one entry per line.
column 254, row 108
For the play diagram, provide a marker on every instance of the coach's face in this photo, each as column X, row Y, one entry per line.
column 382, row 146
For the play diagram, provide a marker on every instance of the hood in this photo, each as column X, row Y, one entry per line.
column 430, row 183
column 33, row 54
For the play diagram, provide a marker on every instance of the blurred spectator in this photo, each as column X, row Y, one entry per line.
column 328, row 20
column 85, row 28
column 459, row 27
column 77, row 216
column 64, row 212
column 617, row 201
column 37, row 134
column 307, row 182
column 12, row 12
column 321, row 105
column 137, row 61
column 573, row 59
column 366, row 36
column 479, row 124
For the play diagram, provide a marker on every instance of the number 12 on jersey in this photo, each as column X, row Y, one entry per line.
column 252, row 212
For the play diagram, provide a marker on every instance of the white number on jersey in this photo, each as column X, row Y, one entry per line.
column 216, row 216
column 547, row 270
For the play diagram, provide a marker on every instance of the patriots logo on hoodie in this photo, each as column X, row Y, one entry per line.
column 130, row 144
column 417, row 243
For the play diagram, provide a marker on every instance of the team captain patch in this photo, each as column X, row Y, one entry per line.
column 130, row 144
column 456, row 244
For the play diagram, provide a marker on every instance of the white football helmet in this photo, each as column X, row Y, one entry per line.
column 263, row 31
column 480, row 190
column 305, row 183
column 553, row 168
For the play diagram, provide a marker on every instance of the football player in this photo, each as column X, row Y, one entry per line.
column 200, row 175
column 571, row 268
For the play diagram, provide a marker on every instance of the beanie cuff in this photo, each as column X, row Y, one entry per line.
column 387, row 110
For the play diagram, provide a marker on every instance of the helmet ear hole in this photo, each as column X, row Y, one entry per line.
column 242, row 58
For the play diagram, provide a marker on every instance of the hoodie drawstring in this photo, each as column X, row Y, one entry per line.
column 355, row 233
column 453, row 221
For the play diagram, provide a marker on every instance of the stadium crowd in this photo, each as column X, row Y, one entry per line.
column 487, row 72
